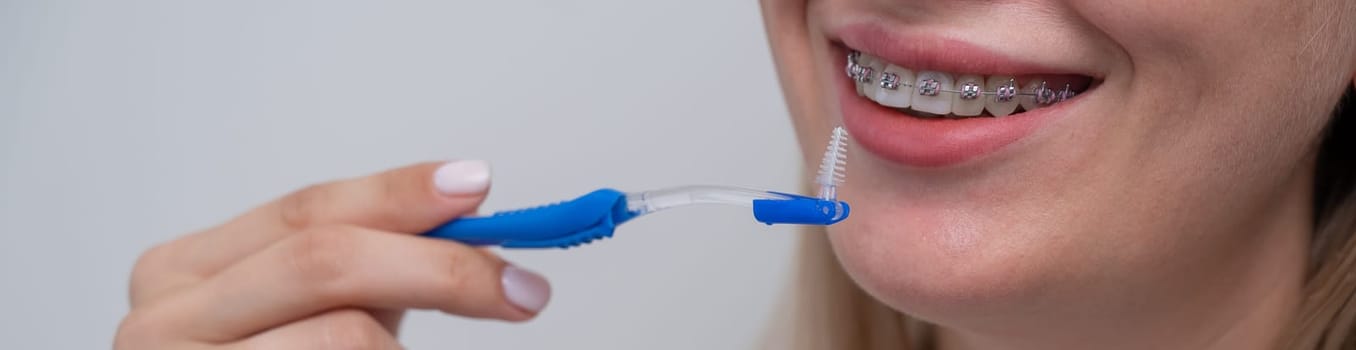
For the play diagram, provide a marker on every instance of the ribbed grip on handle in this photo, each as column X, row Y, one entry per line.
column 563, row 225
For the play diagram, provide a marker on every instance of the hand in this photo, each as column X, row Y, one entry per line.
column 332, row 266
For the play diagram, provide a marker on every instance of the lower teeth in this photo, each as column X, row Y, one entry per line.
column 925, row 114
column 945, row 116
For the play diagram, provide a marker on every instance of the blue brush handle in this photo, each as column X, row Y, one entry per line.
column 563, row 225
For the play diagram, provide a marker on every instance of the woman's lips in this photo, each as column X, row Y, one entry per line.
column 931, row 52
column 933, row 142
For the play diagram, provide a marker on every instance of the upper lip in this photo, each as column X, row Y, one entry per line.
column 922, row 51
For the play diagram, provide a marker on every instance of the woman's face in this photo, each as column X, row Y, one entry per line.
column 1196, row 122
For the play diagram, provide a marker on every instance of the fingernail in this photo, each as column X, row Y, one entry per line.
column 525, row 289
column 462, row 177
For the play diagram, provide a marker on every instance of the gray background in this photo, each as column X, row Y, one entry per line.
column 126, row 123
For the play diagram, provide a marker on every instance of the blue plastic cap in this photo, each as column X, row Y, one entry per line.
column 799, row 210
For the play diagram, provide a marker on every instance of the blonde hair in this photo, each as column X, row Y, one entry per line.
column 829, row 311
column 1325, row 320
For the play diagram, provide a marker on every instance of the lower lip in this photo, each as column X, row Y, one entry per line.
column 933, row 142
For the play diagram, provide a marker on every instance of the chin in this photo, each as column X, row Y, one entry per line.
column 945, row 264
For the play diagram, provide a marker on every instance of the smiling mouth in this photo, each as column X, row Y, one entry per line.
column 957, row 95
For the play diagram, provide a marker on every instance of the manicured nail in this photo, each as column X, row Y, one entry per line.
column 462, row 177
column 525, row 289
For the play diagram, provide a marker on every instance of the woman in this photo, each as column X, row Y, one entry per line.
column 1189, row 189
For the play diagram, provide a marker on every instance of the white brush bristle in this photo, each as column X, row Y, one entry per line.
column 833, row 168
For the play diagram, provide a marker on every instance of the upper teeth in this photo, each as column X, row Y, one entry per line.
column 943, row 93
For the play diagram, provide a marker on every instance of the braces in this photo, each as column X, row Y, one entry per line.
column 969, row 91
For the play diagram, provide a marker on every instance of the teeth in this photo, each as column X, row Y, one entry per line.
column 1064, row 94
column 870, row 84
column 962, row 95
column 930, row 98
column 902, row 94
column 969, row 101
column 1037, row 95
column 865, row 73
column 1005, row 99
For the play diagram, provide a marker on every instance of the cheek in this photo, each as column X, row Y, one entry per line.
column 1238, row 97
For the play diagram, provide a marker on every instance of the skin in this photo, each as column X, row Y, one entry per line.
column 1186, row 227
column 285, row 275
column 1169, row 210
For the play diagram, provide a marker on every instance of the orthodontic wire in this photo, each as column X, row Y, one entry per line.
column 863, row 74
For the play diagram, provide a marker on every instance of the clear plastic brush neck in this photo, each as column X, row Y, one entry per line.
column 651, row 201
